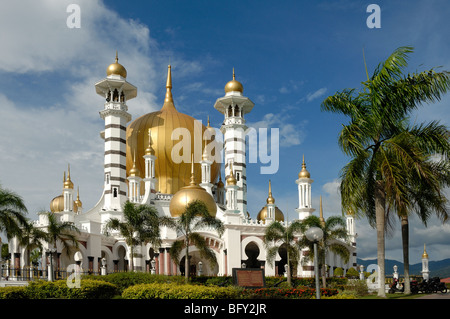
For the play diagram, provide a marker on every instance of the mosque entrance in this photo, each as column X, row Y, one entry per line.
column 252, row 252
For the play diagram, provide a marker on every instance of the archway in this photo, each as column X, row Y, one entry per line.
column 252, row 251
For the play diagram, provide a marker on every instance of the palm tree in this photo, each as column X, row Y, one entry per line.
column 63, row 232
column 334, row 240
column 425, row 189
column 32, row 238
column 194, row 218
column 285, row 235
column 375, row 177
column 140, row 225
column 12, row 213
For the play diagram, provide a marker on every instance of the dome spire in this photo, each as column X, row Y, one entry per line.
column 168, row 101
column 322, row 220
column 304, row 173
column 192, row 170
column 68, row 183
column 116, row 68
column 270, row 199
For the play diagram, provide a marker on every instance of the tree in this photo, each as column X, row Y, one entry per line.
column 32, row 238
column 63, row 232
column 334, row 240
column 194, row 218
column 140, row 225
column 285, row 235
column 12, row 213
column 375, row 178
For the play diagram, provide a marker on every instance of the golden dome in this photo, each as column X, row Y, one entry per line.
column 171, row 176
column 262, row 215
column 304, row 173
column 270, row 199
column 134, row 171
column 189, row 194
column 116, row 68
column 234, row 85
column 220, row 183
column 57, row 204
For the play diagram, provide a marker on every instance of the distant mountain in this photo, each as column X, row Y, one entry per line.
column 439, row 268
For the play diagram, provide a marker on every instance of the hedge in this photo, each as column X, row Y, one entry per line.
column 14, row 292
column 89, row 289
column 287, row 293
column 177, row 291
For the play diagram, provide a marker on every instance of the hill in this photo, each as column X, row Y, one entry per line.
column 439, row 268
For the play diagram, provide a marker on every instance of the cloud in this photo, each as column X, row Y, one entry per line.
column 315, row 95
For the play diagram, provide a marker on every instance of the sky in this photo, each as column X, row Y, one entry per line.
column 289, row 56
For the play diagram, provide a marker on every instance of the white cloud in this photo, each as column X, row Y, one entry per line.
column 315, row 95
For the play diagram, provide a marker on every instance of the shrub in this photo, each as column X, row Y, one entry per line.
column 286, row 293
column 89, row 289
column 14, row 292
column 176, row 291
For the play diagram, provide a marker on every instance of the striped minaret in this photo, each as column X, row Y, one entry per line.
column 116, row 91
column 234, row 106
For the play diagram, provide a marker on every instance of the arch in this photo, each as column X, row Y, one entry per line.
column 258, row 242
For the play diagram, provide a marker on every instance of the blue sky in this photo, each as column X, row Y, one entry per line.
column 289, row 56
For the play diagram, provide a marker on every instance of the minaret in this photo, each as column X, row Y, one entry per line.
column 304, row 182
column 425, row 271
column 116, row 91
column 234, row 106
column 206, row 171
column 231, row 189
column 270, row 206
column 149, row 158
column 134, row 183
column 68, row 193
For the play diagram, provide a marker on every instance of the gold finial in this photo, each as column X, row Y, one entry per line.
column 208, row 122
column 270, row 199
column 192, row 170
column 149, row 150
column 233, row 85
column 234, row 76
column 134, row 171
column 231, row 180
column 68, row 183
column 424, row 255
column 168, row 101
column 304, row 173
column 322, row 220
column 117, row 57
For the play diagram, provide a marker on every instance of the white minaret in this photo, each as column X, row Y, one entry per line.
column 68, row 193
column 149, row 158
column 206, row 171
column 234, row 106
column 304, row 182
column 425, row 271
column 134, row 183
column 270, row 203
column 116, row 90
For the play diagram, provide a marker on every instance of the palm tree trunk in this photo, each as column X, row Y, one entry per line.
column 405, row 243
column 186, row 262
column 380, row 204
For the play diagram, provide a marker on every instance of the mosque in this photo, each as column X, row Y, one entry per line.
column 142, row 164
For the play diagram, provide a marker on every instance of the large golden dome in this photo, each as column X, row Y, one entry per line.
column 171, row 176
column 188, row 194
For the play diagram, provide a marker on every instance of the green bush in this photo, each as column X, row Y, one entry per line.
column 177, row 291
column 89, row 289
column 286, row 293
column 14, row 292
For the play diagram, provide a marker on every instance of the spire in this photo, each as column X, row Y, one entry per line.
column 304, row 173
column 231, row 180
column 117, row 57
column 425, row 254
column 322, row 220
column 192, row 170
column 134, row 171
column 270, row 199
column 149, row 150
column 68, row 183
column 168, row 101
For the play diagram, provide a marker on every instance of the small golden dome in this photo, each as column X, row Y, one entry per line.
column 68, row 182
column 78, row 203
column 57, row 204
column 188, row 194
column 270, row 199
column 134, row 171
column 149, row 150
column 425, row 254
column 220, row 183
column 231, row 180
column 262, row 215
column 116, row 68
column 234, row 86
column 304, row 173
